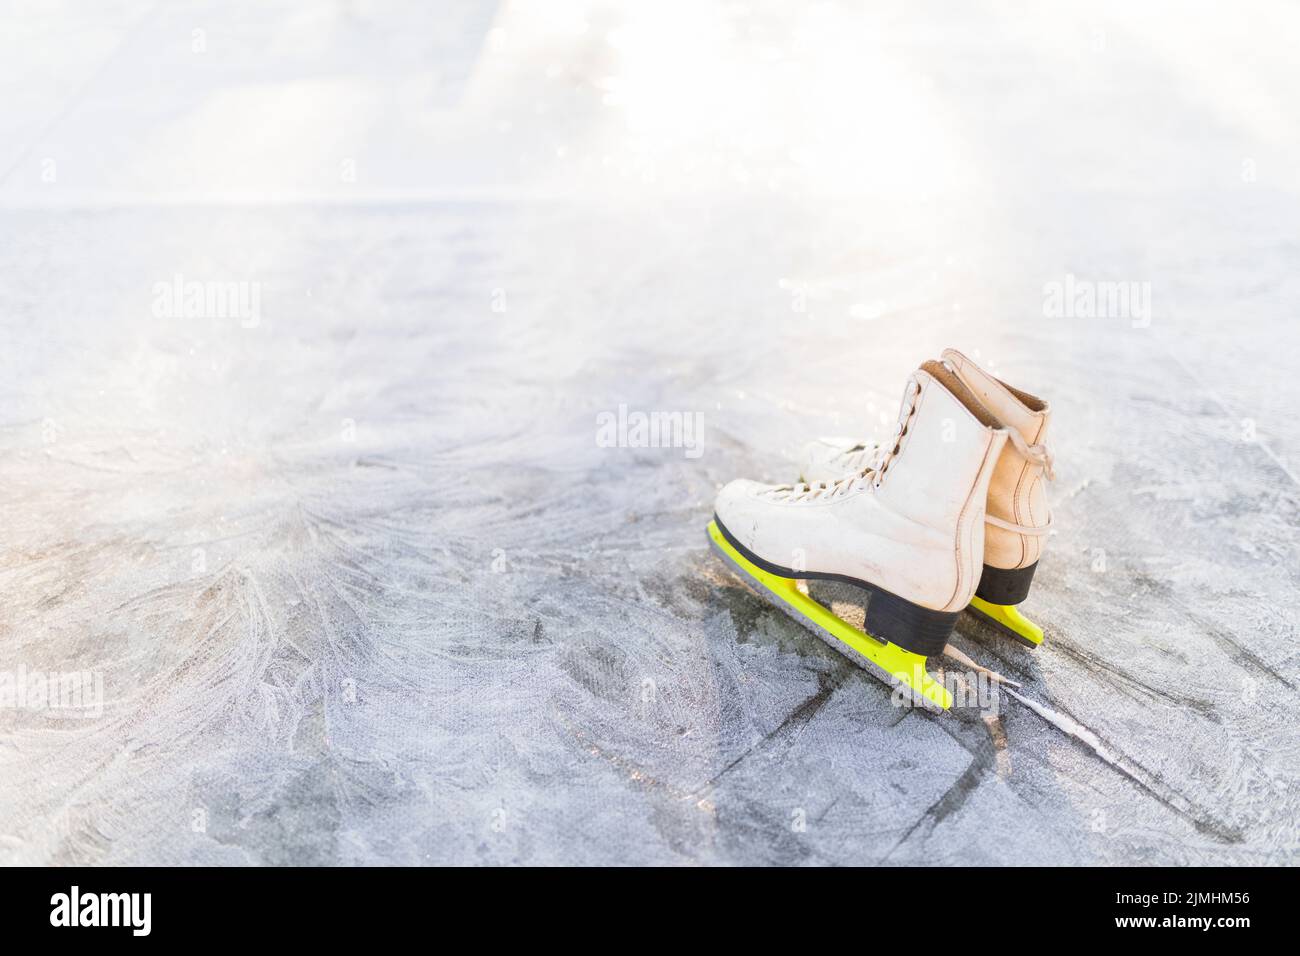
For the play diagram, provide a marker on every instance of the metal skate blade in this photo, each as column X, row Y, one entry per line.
column 1007, row 619
column 887, row 661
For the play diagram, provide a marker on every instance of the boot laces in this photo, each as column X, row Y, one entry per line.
column 1039, row 455
column 823, row 490
column 886, row 453
column 878, row 459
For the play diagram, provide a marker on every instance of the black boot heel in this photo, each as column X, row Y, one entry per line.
column 910, row 626
column 999, row 586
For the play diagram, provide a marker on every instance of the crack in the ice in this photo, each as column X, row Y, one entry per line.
column 1126, row 683
column 1134, row 771
column 794, row 721
column 1243, row 656
column 1149, row 782
column 952, row 799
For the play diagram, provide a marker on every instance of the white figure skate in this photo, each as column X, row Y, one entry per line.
column 909, row 529
column 1017, row 517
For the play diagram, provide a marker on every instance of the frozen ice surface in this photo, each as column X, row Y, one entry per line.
column 360, row 584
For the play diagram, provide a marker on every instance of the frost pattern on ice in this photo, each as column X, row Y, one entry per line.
column 361, row 585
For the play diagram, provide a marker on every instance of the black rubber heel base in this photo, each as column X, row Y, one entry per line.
column 910, row 626
column 999, row 586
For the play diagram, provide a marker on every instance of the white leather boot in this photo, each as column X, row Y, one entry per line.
column 910, row 529
column 1017, row 515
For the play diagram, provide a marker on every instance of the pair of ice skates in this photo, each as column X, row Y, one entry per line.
column 950, row 515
